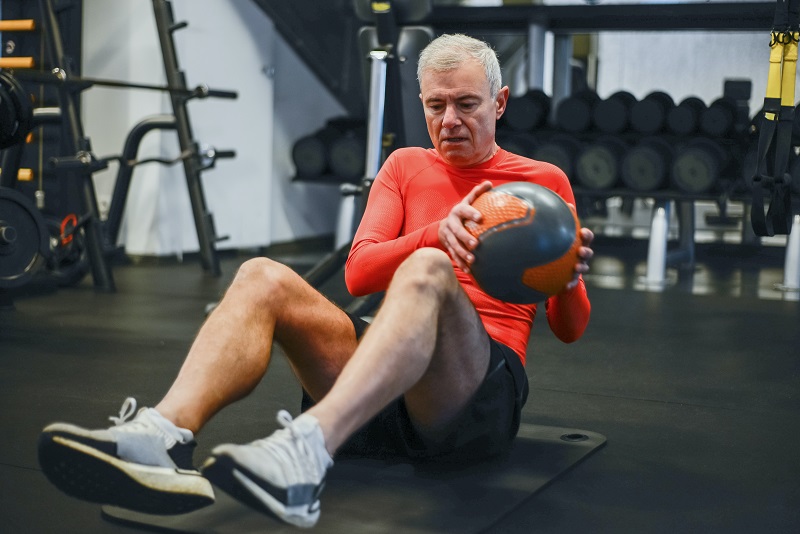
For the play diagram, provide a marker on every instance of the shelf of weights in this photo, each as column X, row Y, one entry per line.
column 661, row 166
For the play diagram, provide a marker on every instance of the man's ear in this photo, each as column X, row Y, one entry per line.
column 501, row 101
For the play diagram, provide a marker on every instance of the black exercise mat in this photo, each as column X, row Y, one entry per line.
column 372, row 496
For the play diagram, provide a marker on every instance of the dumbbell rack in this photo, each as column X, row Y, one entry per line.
column 100, row 238
column 669, row 199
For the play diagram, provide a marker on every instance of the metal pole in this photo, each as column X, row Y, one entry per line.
column 686, row 231
column 73, row 128
column 203, row 219
column 749, row 236
column 377, row 104
column 562, row 70
column 122, row 183
column 348, row 213
column 536, row 49
column 791, row 266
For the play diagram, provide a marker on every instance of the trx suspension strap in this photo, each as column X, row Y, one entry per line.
column 777, row 123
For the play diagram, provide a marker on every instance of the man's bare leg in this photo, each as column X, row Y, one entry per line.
column 266, row 301
column 427, row 342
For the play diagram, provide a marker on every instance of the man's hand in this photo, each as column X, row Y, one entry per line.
column 585, row 254
column 454, row 237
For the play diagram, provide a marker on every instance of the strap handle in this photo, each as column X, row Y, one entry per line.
column 777, row 125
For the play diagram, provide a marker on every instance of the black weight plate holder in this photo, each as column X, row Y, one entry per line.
column 20, row 259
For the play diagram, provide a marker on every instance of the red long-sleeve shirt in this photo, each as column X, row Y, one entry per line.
column 414, row 190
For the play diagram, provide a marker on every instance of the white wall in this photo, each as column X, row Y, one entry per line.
column 682, row 63
column 227, row 45
column 114, row 41
column 233, row 45
column 302, row 105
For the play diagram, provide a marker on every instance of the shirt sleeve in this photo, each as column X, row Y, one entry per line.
column 568, row 313
column 379, row 248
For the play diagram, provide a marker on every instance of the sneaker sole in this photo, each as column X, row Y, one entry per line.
column 91, row 475
column 236, row 481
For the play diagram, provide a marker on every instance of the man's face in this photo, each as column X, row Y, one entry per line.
column 461, row 113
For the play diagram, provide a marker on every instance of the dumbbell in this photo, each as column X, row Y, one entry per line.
column 719, row 118
column 528, row 111
column 574, row 113
column 649, row 115
column 684, row 118
column 612, row 115
column 698, row 165
column 521, row 143
column 646, row 166
column 560, row 150
column 598, row 163
column 347, row 155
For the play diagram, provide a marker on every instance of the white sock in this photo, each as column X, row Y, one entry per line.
column 173, row 432
column 310, row 426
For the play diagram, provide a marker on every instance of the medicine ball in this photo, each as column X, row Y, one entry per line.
column 528, row 243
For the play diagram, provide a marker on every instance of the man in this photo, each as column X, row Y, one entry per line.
column 438, row 374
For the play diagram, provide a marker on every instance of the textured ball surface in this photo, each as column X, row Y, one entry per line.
column 528, row 242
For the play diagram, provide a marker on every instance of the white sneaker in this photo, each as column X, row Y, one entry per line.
column 282, row 475
column 143, row 463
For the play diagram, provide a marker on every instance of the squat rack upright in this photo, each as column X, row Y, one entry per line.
column 82, row 163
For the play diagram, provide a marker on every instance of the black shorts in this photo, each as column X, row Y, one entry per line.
column 485, row 427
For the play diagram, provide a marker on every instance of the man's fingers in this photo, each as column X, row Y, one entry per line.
column 477, row 191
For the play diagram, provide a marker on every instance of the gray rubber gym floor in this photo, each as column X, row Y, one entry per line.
column 696, row 388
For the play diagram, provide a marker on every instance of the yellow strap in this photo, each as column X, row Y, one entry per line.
column 775, row 62
column 789, row 72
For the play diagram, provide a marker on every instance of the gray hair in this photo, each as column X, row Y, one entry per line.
column 449, row 51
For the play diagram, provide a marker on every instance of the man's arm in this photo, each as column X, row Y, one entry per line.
column 378, row 248
column 568, row 312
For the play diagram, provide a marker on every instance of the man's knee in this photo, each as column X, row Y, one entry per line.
column 263, row 278
column 427, row 268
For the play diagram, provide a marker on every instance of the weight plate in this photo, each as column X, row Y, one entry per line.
column 644, row 169
column 310, row 157
column 347, row 156
column 8, row 118
column 598, row 167
column 17, row 123
column 611, row 116
column 23, row 239
column 557, row 154
column 695, row 170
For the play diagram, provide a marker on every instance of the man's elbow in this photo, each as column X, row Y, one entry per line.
column 570, row 336
column 571, row 331
column 355, row 285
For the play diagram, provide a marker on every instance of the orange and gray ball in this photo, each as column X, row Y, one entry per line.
column 528, row 242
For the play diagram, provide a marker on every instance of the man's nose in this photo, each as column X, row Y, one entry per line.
column 451, row 118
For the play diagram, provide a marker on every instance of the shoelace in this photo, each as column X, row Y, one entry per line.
column 126, row 413
column 289, row 445
column 127, row 422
